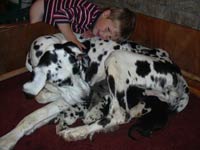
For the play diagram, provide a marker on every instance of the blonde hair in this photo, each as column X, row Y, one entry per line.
column 126, row 19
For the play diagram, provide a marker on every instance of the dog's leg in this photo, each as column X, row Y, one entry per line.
column 46, row 96
column 39, row 80
column 82, row 132
column 31, row 122
column 115, row 117
column 97, row 111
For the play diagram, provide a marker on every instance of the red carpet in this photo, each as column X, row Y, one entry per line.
column 181, row 133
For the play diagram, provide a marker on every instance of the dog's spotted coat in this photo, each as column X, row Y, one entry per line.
column 105, row 85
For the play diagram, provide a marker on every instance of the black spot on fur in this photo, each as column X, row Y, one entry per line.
column 133, row 94
column 48, row 37
column 66, row 82
column 80, row 113
column 87, row 45
column 116, row 47
column 48, row 75
column 162, row 82
column 38, row 53
column 132, row 44
column 72, row 59
column 143, row 68
column 152, row 78
column 36, row 47
column 70, row 44
column 67, row 47
column 58, row 46
column 100, row 57
column 129, row 73
column 166, row 67
column 127, row 81
column 111, row 83
column 81, row 37
column 48, row 58
column 91, row 71
column 94, row 50
column 149, row 52
column 75, row 69
column 120, row 98
column 29, row 60
column 175, row 80
column 163, row 55
column 71, row 115
column 186, row 90
column 104, row 122
column 124, row 42
column 92, row 45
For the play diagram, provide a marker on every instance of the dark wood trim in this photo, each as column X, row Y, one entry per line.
column 182, row 43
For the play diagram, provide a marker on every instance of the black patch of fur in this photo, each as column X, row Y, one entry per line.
column 166, row 67
column 152, row 121
column 47, row 59
column 75, row 69
column 48, row 75
column 132, row 44
column 111, row 82
column 36, row 47
column 65, row 82
column 143, row 68
column 72, row 59
column 120, row 98
column 38, row 53
column 116, row 47
column 133, row 94
column 58, row 46
column 100, row 57
column 162, row 82
column 91, row 71
column 87, row 45
column 104, row 122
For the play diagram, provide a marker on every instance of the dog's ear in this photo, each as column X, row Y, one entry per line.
column 58, row 46
column 67, row 44
column 72, row 48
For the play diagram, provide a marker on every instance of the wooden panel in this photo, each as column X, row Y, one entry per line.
column 183, row 44
column 15, row 41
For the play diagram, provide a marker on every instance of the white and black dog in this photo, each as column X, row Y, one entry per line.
column 105, row 85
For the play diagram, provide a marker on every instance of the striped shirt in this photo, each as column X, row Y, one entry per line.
column 80, row 14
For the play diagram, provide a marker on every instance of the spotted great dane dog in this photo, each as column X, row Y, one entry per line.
column 105, row 85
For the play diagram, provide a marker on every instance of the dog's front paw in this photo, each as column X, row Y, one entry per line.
column 74, row 134
column 29, row 89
